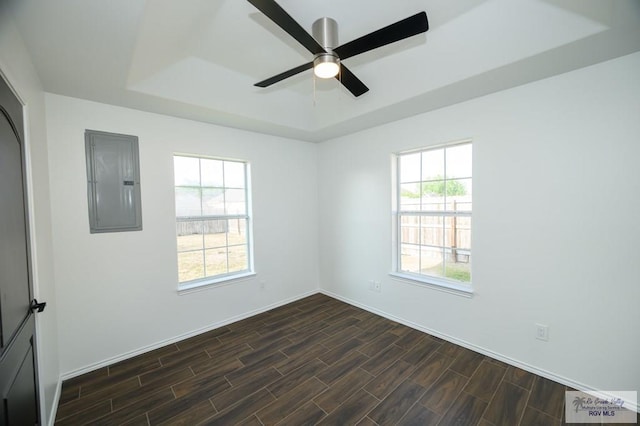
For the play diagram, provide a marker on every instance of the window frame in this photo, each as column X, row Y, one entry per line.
column 436, row 282
column 228, row 277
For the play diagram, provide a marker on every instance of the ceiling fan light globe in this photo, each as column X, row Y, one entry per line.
column 326, row 70
column 326, row 65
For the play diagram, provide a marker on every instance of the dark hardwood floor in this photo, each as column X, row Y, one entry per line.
column 314, row 361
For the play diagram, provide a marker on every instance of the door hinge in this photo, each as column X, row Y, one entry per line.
column 37, row 306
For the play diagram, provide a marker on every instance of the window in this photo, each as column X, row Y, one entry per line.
column 212, row 220
column 433, row 212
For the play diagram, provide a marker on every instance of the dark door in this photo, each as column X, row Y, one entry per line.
column 18, row 387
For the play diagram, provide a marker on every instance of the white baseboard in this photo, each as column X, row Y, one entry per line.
column 631, row 405
column 131, row 354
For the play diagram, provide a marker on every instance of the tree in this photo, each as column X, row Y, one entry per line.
column 437, row 188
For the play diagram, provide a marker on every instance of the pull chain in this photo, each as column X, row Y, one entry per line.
column 340, row 79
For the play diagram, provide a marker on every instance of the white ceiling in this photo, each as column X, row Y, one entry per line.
column 199, row 59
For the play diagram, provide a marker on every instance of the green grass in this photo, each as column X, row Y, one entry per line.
column 458, row 272
column 192, row 264
column 455, row 271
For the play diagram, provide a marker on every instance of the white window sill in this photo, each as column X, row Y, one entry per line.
column 464, row 290
column 207, row 283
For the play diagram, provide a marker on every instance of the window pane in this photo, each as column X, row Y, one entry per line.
column 410, row 196
column 188, row 201
column 433, row 164
column 432, row 230
column 215, row 233
column 459, row 194
column 459, row 161
column 432, row 202
column 410, row 168
column 216, row 261
column 212, row 173
column 409, row 258
column 190, row 266
column 450, row 231
column 410, row 229
column 461, row 205
column 213, row 201
column 464, row 233
column 237, row 229
column 431, row 261
column 233, row 174
column 458, row 265
column 458, row 232
column 433, row 189
column 235, row 202
column 189, row 235
column 238, row 258
column 186, row 171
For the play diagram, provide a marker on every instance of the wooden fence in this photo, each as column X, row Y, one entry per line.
column 452, row 232
column 190, row 227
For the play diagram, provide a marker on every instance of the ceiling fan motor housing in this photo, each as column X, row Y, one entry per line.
column 325, row 31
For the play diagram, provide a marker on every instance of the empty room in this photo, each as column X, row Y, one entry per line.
column 267, row 212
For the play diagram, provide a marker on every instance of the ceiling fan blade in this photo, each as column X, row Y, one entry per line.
column 278, row 15
column 408, row 27
column 351, row 82
column 276, row 78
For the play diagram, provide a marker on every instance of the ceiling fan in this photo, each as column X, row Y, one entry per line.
column 327, row 56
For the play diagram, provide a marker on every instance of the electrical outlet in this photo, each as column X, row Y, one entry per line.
column 377, row 286
column 542, row 332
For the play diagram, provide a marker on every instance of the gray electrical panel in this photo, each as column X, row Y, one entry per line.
column 113, row 182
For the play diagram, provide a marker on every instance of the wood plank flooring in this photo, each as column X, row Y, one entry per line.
column 314, row 361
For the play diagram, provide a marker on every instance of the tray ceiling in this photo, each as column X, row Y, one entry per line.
column 199, row 59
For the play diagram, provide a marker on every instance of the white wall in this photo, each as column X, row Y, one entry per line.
column 17, row 68
column 555, row 165
column 556, row 226
column 117, row 291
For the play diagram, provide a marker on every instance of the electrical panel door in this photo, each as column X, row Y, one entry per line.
column 113, row 182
